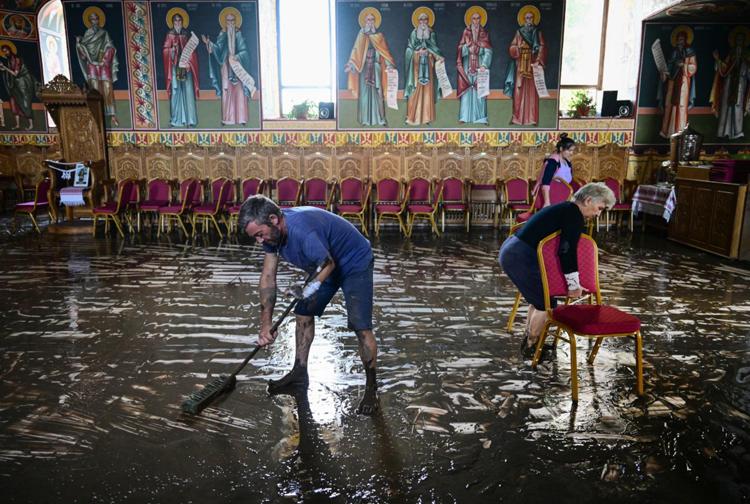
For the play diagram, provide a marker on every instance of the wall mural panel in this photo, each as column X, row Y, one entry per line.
column 99, row 56
column 20, row 75
column 697, row 74
column 207, row 60
column 448, row 64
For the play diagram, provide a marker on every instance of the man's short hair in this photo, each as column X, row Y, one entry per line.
column 598, row 192
column 257, row 209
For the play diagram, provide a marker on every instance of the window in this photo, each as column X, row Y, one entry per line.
column 53, row 41
column 306, row 35
column 583, row 44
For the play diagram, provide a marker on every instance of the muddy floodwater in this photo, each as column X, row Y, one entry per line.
column 101, row 340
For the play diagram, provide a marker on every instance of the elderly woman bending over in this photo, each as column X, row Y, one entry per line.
column 518, row 256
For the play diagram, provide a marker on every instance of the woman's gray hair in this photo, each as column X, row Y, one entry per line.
column 598, row 192
column 257, row 209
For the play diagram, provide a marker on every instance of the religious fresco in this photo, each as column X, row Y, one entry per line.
column 52, row 41
column 16, row 25
column 694, row 74
column 20, row 72
column 206, row 58
column 21, row 5
column 98, row 56
column 448, row 64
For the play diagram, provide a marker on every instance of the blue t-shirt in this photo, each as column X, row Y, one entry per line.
column 313, row 235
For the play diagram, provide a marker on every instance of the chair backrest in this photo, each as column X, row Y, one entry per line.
column 132, row 194
column 184, row 186
column 125, row 194
column 230, row 190
column 553, row 278
column 188, row 198
column 418, row 190
column 159, row 190
column 559, row 191
column 453, row 189
column 316, row 189
column 351, row 189
column 516, row 190
column 388, row 189
column 251, row 187
column 614, row 185
column 218, row 188
column 288, row 189
column 437, row 195
column 41, row 196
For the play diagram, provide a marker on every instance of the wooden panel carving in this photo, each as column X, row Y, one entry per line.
column 221, row 164
column 352, row 164
column 583, row 162
column 612, row 163
column 30, row 163
column 286, row 164
column 419, row 164
column 386, row 165
column 515, row 163
column 160, row 164
column 191, row 164
column 126, row 163
column 82, row 136
column 451, row 164
column 254, row 164
column 318, row 164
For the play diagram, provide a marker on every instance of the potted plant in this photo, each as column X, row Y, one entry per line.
column 305, row 110
column 581, row 104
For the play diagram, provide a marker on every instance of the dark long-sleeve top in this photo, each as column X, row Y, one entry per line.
column 565, row 217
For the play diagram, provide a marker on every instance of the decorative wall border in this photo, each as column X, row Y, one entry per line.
column 138, row 38
column 340, row 138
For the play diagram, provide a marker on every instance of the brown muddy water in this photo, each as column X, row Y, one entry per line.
column 102, row 339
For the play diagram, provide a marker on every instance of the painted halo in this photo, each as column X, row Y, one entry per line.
column 223, row 17
column 525, row 10
column 423, row 10
column 375, row 13
column 177, row 10
column 94, row 10
column 736, row 31
column 682, row 29
column 8, row 44
column 475, row 10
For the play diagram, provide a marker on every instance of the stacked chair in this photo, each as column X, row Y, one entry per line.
column 354, row 200
column 422, row 201
column 248, row 187
column 175, row 213
column 158, row 195
column 39, row 203
column 389, row 203
column 222, row 193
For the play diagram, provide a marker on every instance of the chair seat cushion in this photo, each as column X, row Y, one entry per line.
column 454, row 206
column 234, row 209
column 519, row 207
column 170, row 209
column 523, row 217
column 419, row 208
column 596, row 319
column 349, row 208
column 621, row 207
column 107, row 208
column 28, row 205
column 205, row 209
column 381, row 208
column 152, row 205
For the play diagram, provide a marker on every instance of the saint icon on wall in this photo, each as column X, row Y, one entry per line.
column 473, row 63
column 181, row 69
column 420, row 79
column 528, row 54
column 730, row 99
column 228, row 65
column 676, row 91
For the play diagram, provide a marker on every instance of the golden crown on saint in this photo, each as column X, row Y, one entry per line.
column 171, row 13
column 93, row 10
column 682, row 29
column 529, row 9
column 223, row 17
column 423, row 10
column 375, row 13
column 476, row 9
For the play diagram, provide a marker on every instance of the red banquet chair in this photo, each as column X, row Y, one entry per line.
column 620, row 207
column 127, row 195
column 316, row 193
column 559, row 191
column 158, row 194
column 389, row 203
column 248, row 187
column 421, row 204
column 516, row 198
column 175, row 212
column 221, row 192
column 40, row 202
column 288, row 191
column 455, row 198
column 595, row 321
column 353, row 200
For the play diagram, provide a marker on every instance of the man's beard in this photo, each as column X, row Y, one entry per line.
column 275, row 238
column 474, row 31
column 230, row 38
column 423, row 32
column 177, row 29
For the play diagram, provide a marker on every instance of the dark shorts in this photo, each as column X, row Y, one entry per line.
column 518, row 260
column 357, row 288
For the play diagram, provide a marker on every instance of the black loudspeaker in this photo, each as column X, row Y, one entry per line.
column 624, row 108
column 325, row 110
column 609, row 104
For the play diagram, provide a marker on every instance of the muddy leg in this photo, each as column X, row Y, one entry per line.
column 297, row 377
column 368, row 351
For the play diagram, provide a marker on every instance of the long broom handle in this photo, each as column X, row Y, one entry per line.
column 275, row 326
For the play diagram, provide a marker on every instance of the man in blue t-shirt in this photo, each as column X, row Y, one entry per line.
column 330, row 248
